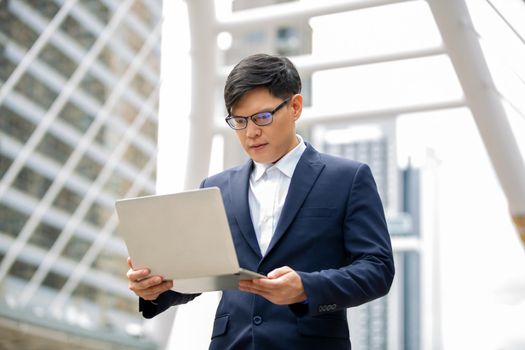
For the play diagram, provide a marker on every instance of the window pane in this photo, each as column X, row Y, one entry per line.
column 44, row 236
column 55, row 148
column 76, row 117
column 67, row 200
column 88, row 168
column 47, row 8
column 22, row 270
column 36, row 91
column 80, row 34
column 97, row 215
column 32, row 182
column 57, row 59
column 11, row 220
column 54, row 280
column 76, row 248
column 14, row 125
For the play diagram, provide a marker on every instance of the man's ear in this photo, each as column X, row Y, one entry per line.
column 297, row 105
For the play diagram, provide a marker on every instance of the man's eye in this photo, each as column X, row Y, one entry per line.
column 263, row 116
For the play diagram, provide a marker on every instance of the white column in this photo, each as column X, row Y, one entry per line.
column 430, row 311
column 460, row 40
column 204, row 69
column 193, row 321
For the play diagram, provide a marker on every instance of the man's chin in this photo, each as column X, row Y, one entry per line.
column 260, row 158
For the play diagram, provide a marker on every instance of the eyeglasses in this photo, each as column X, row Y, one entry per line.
column 260, row 119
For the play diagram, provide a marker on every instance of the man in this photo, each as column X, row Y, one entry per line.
column 312, row 223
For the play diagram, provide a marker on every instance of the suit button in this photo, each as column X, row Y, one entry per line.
column 257, row 320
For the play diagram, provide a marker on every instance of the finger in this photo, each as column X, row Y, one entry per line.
column 149, row 282
column 130, row 264
column 250, row 284
column 153, row 292
column 268, row 284
column 144, row 285
column 249, row 289
column 257, row 288
column 137, row 275
column 246, row 285
column 270, row 296
column 279, row 272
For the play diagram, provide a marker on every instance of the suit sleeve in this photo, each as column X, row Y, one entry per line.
column 167, row 299
column 370, row 271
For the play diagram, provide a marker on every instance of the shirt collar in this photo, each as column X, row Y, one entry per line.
column 259, row 170
column 286, row 164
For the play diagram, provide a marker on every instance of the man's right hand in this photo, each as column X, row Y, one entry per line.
column 145, row 286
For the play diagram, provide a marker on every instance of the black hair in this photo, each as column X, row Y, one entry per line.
column 277, row 73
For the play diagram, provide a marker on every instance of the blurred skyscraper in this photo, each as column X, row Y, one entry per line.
column 78, row 129
column 392, row 322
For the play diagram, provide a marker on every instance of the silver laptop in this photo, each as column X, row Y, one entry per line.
column 184, row 237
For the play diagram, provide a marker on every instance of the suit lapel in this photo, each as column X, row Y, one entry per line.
column 308, row 169
column 239, row 184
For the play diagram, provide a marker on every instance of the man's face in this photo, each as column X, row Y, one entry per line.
column 269, row 143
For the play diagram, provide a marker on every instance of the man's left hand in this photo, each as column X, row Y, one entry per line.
column 282, row 287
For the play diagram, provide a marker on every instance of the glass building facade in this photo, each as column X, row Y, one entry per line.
column 79, row 85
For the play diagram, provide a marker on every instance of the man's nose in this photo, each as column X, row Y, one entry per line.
column 252, row 129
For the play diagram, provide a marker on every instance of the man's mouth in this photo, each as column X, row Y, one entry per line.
column 258, row 146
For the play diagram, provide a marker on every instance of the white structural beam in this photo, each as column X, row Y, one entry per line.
column 234, row 156
column 461, row 41
column 507, row 23
column 311, row 116
column 204, row 68
column 308, row 64
column 431, row 335
column 294, row 12
column 202, row 21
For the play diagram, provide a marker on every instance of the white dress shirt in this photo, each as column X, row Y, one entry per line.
column 269, row 185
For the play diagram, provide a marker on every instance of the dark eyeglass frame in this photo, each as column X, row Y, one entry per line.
column 254, row 117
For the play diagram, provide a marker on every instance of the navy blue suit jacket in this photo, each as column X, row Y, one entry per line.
column 332, row 231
